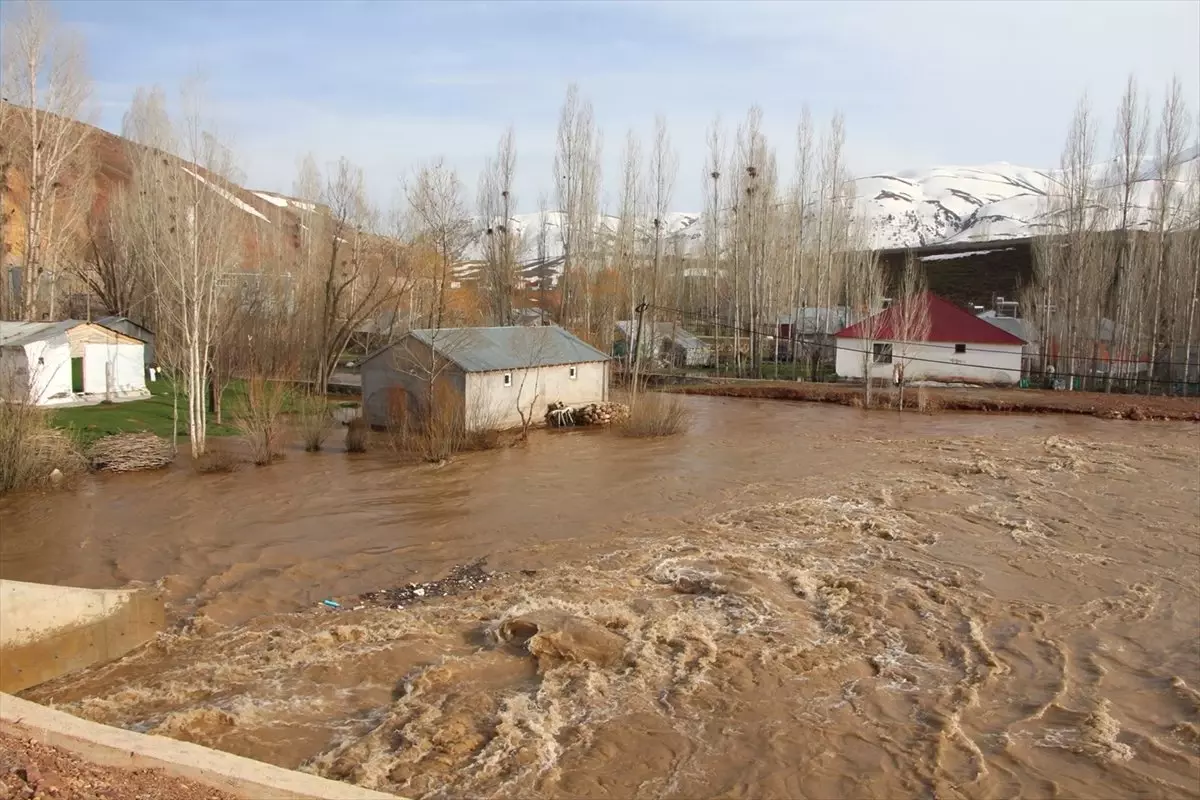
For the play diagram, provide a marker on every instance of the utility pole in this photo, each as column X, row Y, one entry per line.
column 637, row 348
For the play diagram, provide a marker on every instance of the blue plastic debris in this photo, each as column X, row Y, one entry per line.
column 331, row 603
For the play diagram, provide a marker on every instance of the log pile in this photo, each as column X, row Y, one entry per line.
column 559, row 415
column 130, row 452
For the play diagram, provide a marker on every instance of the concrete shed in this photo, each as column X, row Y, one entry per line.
column 489, row 375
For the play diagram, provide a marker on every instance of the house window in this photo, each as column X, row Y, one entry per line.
column 881, row 353
column 508, row 379
column 960, row 348
column 573, row 373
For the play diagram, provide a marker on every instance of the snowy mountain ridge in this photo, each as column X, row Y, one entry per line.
column 942, row 205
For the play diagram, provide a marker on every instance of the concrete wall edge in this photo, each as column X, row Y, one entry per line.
column 116, row 747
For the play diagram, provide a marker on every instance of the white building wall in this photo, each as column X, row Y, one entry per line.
column 492, row 404
column 38, row 372
column 127, row 362
column 981, row 363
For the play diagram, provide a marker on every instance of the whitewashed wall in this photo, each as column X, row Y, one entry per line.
column 23, row 379
column 128, row 368
column 984, row 363
column 492, row 404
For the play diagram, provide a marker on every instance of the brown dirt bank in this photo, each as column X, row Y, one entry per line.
column 29, row 769
column 1024, row 401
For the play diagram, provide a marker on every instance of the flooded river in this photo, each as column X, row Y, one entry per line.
column 790, row 600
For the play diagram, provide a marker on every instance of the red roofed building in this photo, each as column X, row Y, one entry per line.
column 955, row 346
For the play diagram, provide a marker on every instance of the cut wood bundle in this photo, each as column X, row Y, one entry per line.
column 130, row 452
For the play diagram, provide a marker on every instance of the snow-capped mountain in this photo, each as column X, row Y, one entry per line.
column 943, row 205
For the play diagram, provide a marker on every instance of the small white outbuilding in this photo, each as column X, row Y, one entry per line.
column 492, row 376
column 55, row 363
column 954, row 345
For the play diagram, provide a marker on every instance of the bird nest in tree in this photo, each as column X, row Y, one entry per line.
column 130, row 452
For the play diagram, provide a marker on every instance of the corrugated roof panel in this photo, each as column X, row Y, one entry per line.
column 491, row 349
column 947, row 323
column 16, row 334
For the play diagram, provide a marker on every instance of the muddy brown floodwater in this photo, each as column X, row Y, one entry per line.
column 788, row 601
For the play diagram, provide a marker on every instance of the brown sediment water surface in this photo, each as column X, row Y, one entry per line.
column 786, row 601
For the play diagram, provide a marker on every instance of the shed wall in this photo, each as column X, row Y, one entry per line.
column 126, row 362
column 491, row 404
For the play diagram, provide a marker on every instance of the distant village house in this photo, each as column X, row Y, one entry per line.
column 958, row 347
column 666, row 343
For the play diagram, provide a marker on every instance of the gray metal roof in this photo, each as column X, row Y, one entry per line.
column 661, row 330
column 17, row 334
column 1017, row 326
column 491, row 349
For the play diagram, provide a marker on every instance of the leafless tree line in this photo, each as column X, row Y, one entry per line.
column 1114, row 294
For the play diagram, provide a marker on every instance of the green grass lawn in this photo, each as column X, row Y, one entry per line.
column 154, row 413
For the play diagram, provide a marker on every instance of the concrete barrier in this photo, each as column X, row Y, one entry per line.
column 48, row 631
column 115, row 747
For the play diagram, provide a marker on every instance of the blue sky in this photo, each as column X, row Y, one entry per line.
column 393, row 84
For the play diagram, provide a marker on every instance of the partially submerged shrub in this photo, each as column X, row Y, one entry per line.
column 314, row 419
column 654, row 414
column 31, row 451
column 259, row 418
column 439, row 430
column 357, row 435
column 215, row 461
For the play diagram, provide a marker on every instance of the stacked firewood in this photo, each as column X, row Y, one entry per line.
column 130, row 452
column 561, row 415
column 602, row 413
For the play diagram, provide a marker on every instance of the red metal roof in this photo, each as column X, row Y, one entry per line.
column 947, row 323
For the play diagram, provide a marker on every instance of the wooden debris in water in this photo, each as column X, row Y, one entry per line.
column 461, row 578
column 130, row 452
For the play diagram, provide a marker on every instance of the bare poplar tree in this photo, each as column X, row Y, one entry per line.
column 577, row 180
column 45, row 79
column 911, row 318
column 496, row 201
column 662, row 168
column 712, row 232
column 801, row 210
column 1124, row 286
column 1171, row 138
column 865, row 285
column 627, row 244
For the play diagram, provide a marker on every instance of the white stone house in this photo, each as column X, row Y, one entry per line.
column 959, row 347
column 492, row 376
column 52, row 363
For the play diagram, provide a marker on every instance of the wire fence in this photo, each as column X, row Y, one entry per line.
column 726, row 351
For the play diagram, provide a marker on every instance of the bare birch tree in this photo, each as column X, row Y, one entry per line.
column 191, row 236
column 45, row 79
